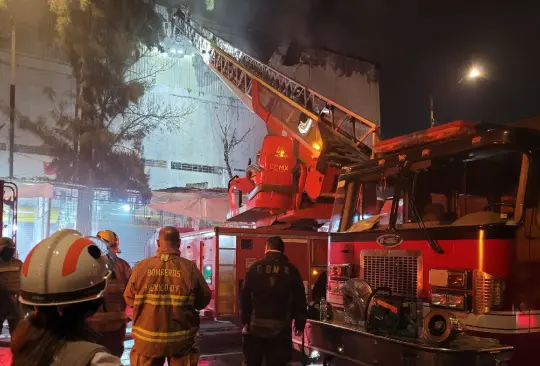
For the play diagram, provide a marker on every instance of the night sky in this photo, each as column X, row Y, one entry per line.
column 422, row 48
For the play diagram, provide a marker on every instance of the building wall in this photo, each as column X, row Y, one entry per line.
column 33, row 76
column 193, row 154
column 186, row 82
column 352, row 83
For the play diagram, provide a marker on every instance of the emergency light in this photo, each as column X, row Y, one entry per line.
column 442, row 132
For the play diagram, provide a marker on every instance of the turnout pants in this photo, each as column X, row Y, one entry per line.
column 136, row 359
column 275, row 351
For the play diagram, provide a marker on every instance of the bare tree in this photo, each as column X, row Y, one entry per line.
column 227, row 127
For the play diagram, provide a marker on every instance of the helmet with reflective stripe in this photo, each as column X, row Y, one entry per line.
column 112, row 240
column 65, row 268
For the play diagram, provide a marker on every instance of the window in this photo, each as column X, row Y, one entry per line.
column 368, row 198
column 481, row 187
column 175, row 165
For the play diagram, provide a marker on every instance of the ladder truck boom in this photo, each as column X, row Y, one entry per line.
column 241, row 70
column 296, row 170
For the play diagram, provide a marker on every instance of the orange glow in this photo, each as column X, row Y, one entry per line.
column 316, row 146
column 314, row 272
column 481, row 249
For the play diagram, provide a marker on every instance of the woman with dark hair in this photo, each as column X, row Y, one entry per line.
column 64, row 278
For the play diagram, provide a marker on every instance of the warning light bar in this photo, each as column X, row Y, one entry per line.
column 446, row 131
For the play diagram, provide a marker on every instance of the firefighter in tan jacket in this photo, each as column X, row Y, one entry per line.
column 110, row 320
column 166, row 292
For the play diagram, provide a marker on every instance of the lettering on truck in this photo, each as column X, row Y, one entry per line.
column 279, row 167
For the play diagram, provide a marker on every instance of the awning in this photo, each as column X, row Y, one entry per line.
column 203, row 204
column 38, row 190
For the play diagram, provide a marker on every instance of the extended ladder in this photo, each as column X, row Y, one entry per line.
column 240, row 69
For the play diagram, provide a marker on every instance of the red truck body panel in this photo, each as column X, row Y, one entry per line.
column 225, row 254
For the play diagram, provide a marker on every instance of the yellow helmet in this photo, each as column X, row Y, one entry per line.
column 112, row 240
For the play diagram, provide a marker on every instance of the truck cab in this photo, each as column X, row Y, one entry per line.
column 446, row 218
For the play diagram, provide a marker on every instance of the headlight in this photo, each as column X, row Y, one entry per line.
column 450, row 300
column 453, row 279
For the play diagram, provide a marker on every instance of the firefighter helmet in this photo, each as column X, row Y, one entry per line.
column 65, row 268
column 112, row 240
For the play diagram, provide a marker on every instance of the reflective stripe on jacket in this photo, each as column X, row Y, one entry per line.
column 166, row 292
column 112, row 316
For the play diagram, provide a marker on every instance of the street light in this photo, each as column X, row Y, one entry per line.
column 474, row 73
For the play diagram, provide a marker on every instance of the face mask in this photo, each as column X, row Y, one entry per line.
column 7, row 254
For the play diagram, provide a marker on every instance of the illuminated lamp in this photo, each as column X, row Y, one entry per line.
column 442, row 132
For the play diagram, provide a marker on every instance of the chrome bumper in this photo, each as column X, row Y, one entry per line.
column 353, row 345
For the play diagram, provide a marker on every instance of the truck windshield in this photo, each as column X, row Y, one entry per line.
column 481, row 187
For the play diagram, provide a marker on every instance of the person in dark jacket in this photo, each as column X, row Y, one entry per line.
column 273, row 296
column 10, row 269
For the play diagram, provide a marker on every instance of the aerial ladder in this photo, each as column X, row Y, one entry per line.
column 293, row 182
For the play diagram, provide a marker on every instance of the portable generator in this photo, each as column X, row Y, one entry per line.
column 391, row 314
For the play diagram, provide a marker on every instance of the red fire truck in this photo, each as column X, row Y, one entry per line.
column 289, row 189
column 447, row 218
column 293, row 184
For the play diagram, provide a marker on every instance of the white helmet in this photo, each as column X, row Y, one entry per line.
column 65, row 268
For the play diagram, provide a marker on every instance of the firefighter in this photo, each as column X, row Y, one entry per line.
column 64, row 277
column 10, row 269
column 111, row 320
column 166, row 292
column 273, row 296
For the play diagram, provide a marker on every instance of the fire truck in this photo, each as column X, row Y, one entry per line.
column 450, row 262
column 447, row 220
column 289, row 190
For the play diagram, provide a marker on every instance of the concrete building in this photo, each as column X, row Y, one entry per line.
column 191, row 156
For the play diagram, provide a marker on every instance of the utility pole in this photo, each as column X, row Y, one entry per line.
column 431, row 113
column 12, row 102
